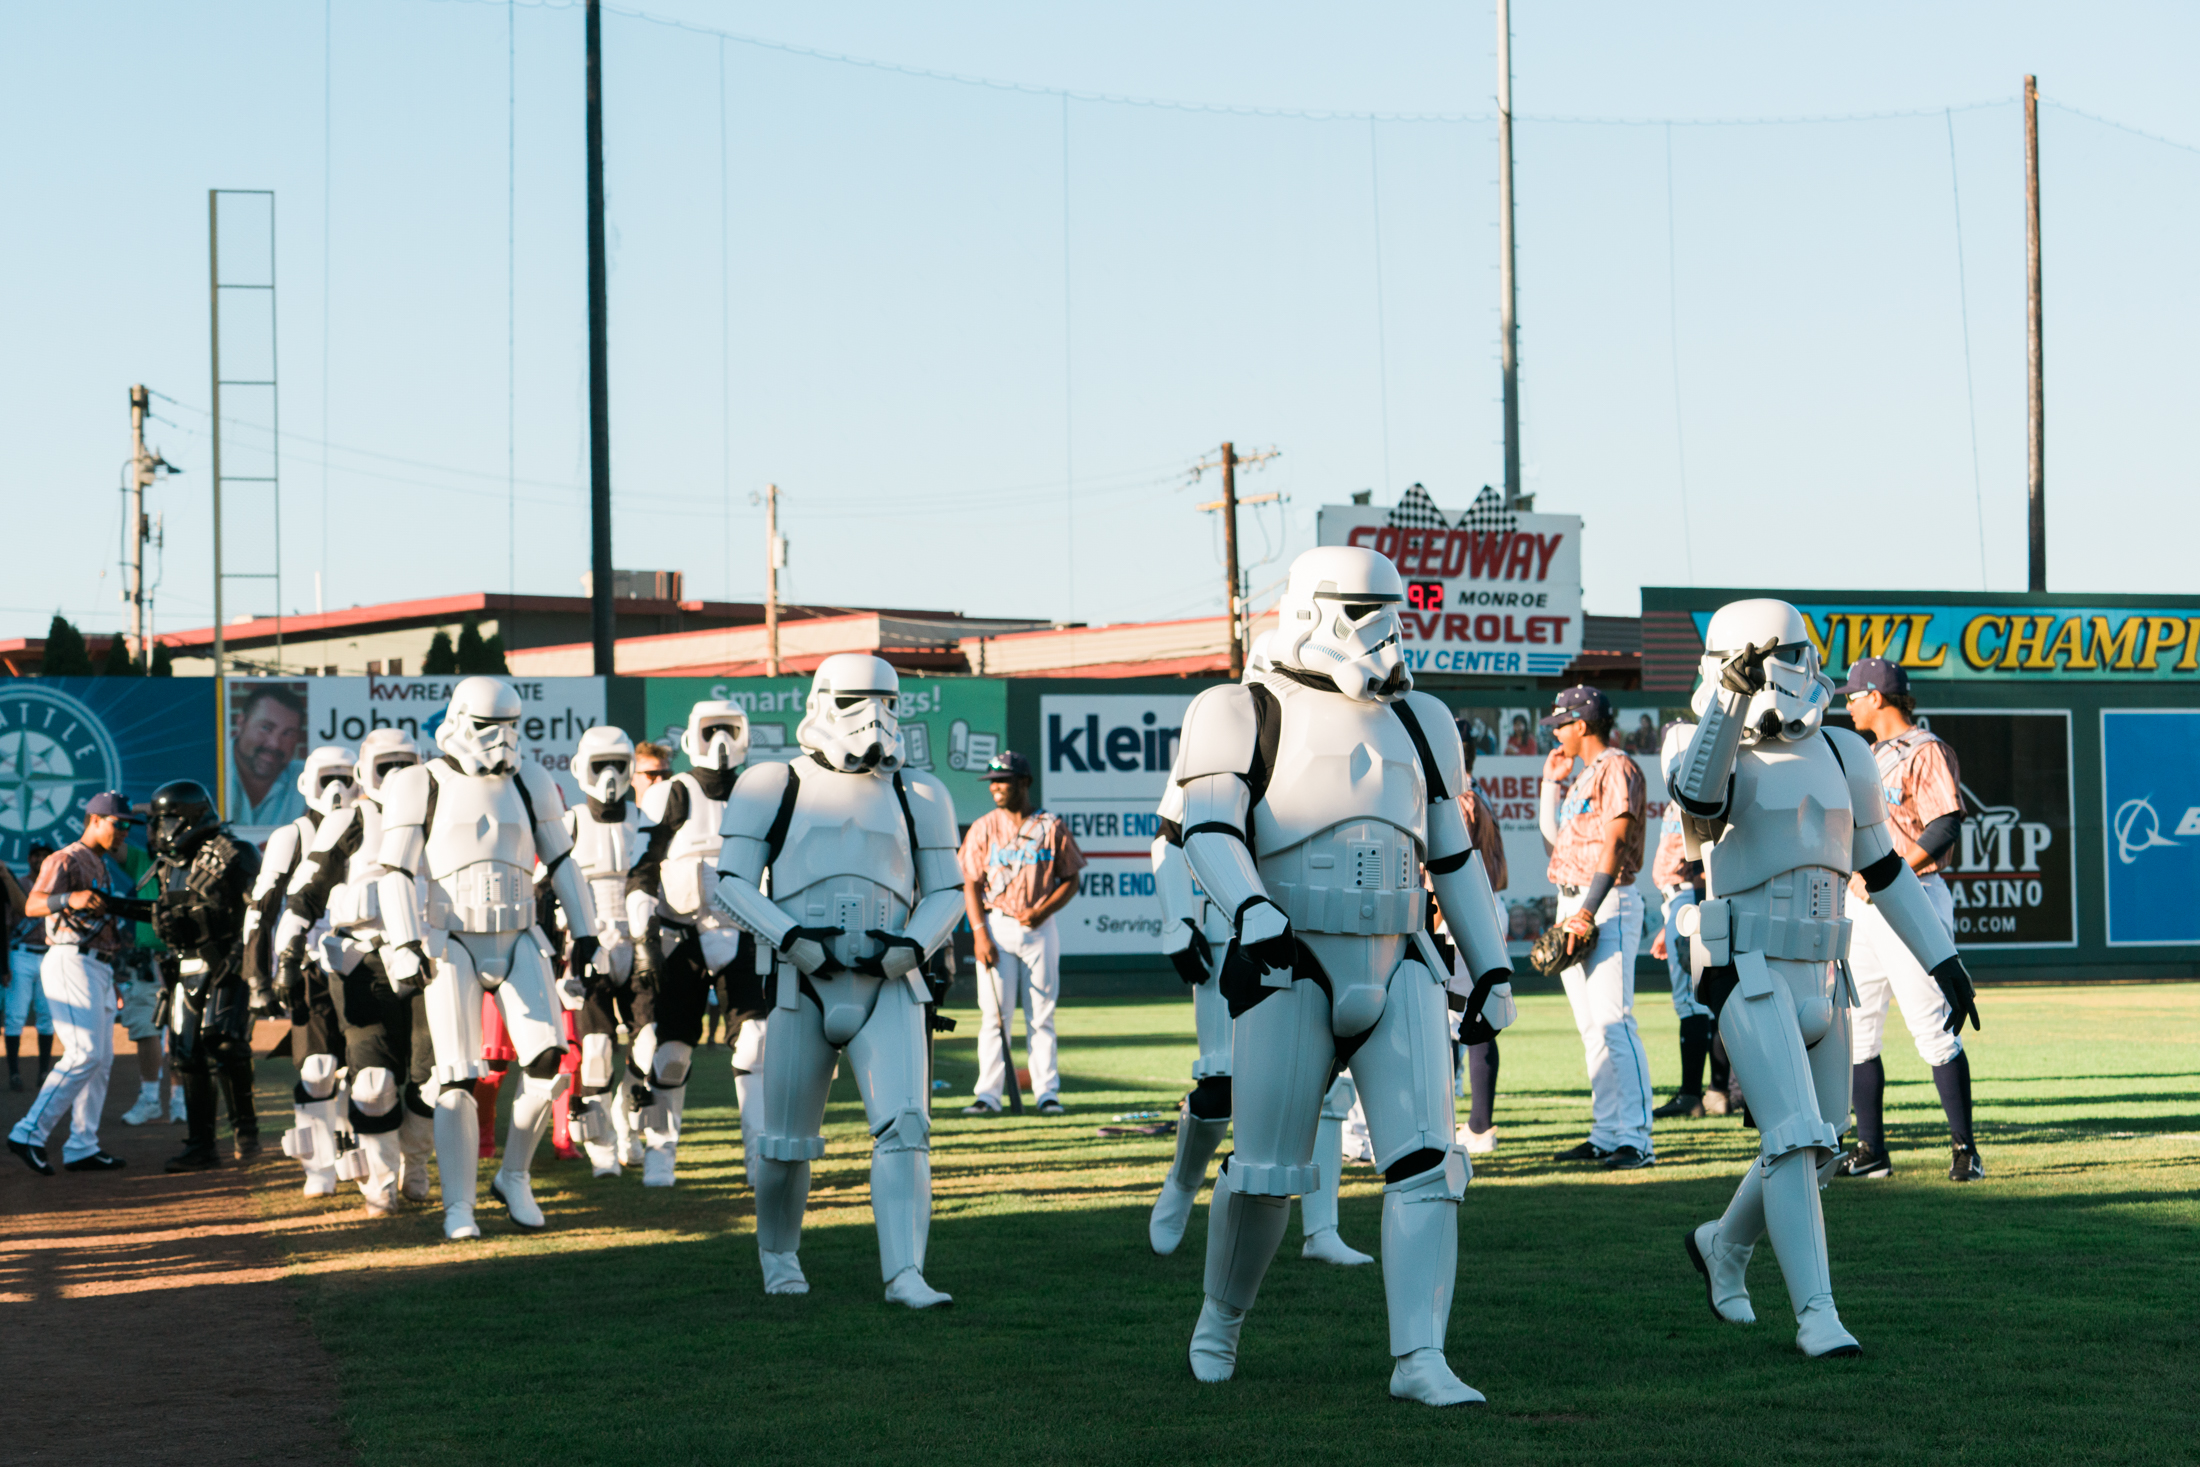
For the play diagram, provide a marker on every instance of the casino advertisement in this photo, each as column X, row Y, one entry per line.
column 1505, row 599
column 2014, row 878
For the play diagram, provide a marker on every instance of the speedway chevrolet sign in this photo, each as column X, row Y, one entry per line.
column 2002, row 642
column 1478, row 600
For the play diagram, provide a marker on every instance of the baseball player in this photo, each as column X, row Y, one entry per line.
column 1919, row 776
column 1019, row 868
column 1680, row 881
column 1594, row 827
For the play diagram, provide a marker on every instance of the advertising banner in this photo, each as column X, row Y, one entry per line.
column 2150, row 784
column 2015, row 877
column 2005, row 642
column 1494, row 600
column 950, row 727
column 274, row 722
column 65, row 739
column 1106, row 762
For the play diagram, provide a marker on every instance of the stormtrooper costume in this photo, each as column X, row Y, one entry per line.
column 1781, row 810
column 606, row 835
column 460, row 838
column 1194, row 934
column 327, row 782
column 382, row 1137
column 865, row 887
column 685, row 934
column 1315, row 796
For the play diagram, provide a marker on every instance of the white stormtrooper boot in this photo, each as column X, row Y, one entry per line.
column 1720, row 1249
column 513, row 1184
column 1196, row 1140
column 590, row 1120
column 1420, row 1265
column 378, row 1188
column 1242, row 1234
column 317, row 1105
column 377, row 1101
column 416, row 1146
column 901, row 1205
column 457, row 1158
column 626, row 1126
column 1318, row 1208
column 661, row 1120
column 782, row 1191
column 1798, row 1232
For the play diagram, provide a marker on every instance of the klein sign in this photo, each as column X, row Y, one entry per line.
column 1486, row 600
column 2000, row 642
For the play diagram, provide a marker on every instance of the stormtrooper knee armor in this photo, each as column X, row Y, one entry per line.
column 1318, row 850
column 460, row 841
column 864, row 886
column 1782, row 810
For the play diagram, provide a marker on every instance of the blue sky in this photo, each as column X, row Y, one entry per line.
column 977, row 334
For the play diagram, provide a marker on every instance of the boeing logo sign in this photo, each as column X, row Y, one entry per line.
column 2150, row 789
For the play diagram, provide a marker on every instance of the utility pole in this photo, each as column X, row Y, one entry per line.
column 2035, row 350
column 144, row 465
column 1228, row 461
column 775, row 556
column 601, row 623
column 1507, row 323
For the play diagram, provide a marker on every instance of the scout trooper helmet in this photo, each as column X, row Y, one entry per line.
column 853, row 721
column 327, row 781
column 717, row 736
column 1793, row 702
column 1339, row 618
column 603, row 764
column 481, row 727
column 380, row 752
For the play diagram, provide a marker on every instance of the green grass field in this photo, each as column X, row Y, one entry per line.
column 2047, row 1315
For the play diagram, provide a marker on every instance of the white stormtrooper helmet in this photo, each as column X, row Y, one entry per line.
column 853, row 721
column 380, row 752
column 327, row 781
column 481, row 727
column 1339, row 618
column 1793, row 702
column 603, row 764
column 1257, row 659
column 717, row 736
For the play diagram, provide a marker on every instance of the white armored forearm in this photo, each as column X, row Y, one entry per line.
column 290, row 931
column 574, row 896
column 933, row 922
column 1215, row 811
column 750, row 907
column 1470, row 915
column 1706, row 767
column 1172, row 883
column 1910, row 913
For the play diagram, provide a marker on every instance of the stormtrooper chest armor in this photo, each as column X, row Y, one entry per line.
column 1340, row 830
column 356, row 901
column 604, row 849
column 693, row 854
column 846, row 862
column 1782, row 865
column 480, row 854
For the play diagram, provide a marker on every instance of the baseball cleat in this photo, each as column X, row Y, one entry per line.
column 34, row 1157
column 146, row 1109
column 1478, row 1143
column 1629, row 1159
column 1965, row 1166
column 1862, row 1163
column 98, row 1161
column 1586, row 1151
column 1685, row 1103
column 193, row 1159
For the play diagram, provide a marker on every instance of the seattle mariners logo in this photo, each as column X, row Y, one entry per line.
column 55, row 754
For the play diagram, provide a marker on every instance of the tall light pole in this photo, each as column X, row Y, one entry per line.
column 1508, row 324
column 603, row 632
column 775, row 557
column 2035, row 349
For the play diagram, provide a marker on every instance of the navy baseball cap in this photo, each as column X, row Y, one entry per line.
column 1007, row 765
column 113, row 803
column 1876, row 675
column 1578, row 703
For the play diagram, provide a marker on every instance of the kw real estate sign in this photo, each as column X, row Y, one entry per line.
column 2004, row 642
column 1481, row 600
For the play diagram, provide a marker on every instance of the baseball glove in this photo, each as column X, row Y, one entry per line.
column 1557, row 950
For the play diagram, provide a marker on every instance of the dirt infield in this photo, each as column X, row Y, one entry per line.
column 148, row 1315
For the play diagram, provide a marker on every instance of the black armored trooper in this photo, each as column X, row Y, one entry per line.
column 205, row 877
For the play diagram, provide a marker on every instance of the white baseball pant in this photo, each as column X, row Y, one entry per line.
column 1885, row 969
column 1602, row 991
column 80, row 989
column 1031, row 971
